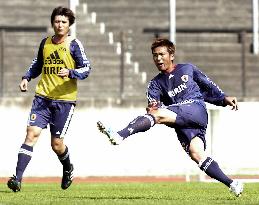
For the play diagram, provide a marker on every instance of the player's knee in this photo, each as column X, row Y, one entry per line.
column 30, row 140
column 196, row 156
column 32, row 136
column 57, row 146
column 164, row 116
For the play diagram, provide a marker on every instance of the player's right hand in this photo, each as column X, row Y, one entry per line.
column 154, row 105
column 24, row 85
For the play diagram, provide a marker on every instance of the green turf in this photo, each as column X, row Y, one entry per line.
column 129, row 193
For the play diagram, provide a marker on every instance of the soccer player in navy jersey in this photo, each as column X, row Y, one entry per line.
column 176, row 98
column 61, row 61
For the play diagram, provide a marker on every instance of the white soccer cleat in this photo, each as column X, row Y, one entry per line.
column 236, row 187
column 114, row 137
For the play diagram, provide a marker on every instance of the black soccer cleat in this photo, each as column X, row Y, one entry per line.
column 67, row 178
column 14, row 184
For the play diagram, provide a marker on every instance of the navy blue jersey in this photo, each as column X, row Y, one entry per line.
column 186, row 83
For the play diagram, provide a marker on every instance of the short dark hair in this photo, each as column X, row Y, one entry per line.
column 63, row 11
column 163, row 42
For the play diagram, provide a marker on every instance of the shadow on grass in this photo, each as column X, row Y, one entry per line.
column 7, row 192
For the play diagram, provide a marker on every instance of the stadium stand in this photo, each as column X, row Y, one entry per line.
column 22, row 25
column 207, row 34
column 104, row 84
column 20, row 37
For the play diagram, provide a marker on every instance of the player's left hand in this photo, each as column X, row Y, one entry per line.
column 64, row 72
column 231, row 101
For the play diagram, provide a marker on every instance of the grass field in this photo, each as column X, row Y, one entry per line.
column 194, row 193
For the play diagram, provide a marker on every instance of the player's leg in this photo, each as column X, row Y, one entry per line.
column 63, row 155
column 140, row 124
column 62, row 115
column 24, row 157
column 36, row 122
column 207, row 164
column 211, row 167
column 191, row 124
column 26, row 150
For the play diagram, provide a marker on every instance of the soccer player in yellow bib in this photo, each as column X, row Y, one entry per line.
column 61, row 61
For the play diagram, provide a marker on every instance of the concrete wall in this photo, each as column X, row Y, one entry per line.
column 156, row 152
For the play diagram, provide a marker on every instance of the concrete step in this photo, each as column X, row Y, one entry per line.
column 85, row 30
column 125, row 2
column 22, row 38
column 207, row 37
column 214, row 23
column 35, row 3
column 211, row 57
column 232, row 48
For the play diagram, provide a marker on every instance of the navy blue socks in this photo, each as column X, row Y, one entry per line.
column 65, row 160
column 212, row 169
column 24, row 157
column 140, row 124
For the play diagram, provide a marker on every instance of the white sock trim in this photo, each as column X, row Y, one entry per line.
column 208, row 163
column 201, row 162
column 26, row 152
column 151, row 119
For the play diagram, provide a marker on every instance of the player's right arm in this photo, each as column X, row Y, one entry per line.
column 34, row 70
column 24, row 85
column 153, row 96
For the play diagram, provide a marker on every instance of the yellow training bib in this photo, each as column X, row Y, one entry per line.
column 55, row 57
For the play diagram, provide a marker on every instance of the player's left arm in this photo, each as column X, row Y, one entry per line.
column 211, row 91
column 83, row 67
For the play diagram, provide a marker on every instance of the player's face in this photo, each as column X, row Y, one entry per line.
column 61, row 25
column 163, row 59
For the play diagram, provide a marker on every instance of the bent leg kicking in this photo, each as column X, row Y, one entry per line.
column 140, row 124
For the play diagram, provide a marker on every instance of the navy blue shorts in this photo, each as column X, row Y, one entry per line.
column 57, row 114
column 191, row 121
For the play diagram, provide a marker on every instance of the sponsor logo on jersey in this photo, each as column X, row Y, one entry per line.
column 177, row 90
column 53, row 59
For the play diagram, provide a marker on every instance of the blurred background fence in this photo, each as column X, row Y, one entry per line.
column 217, row 36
